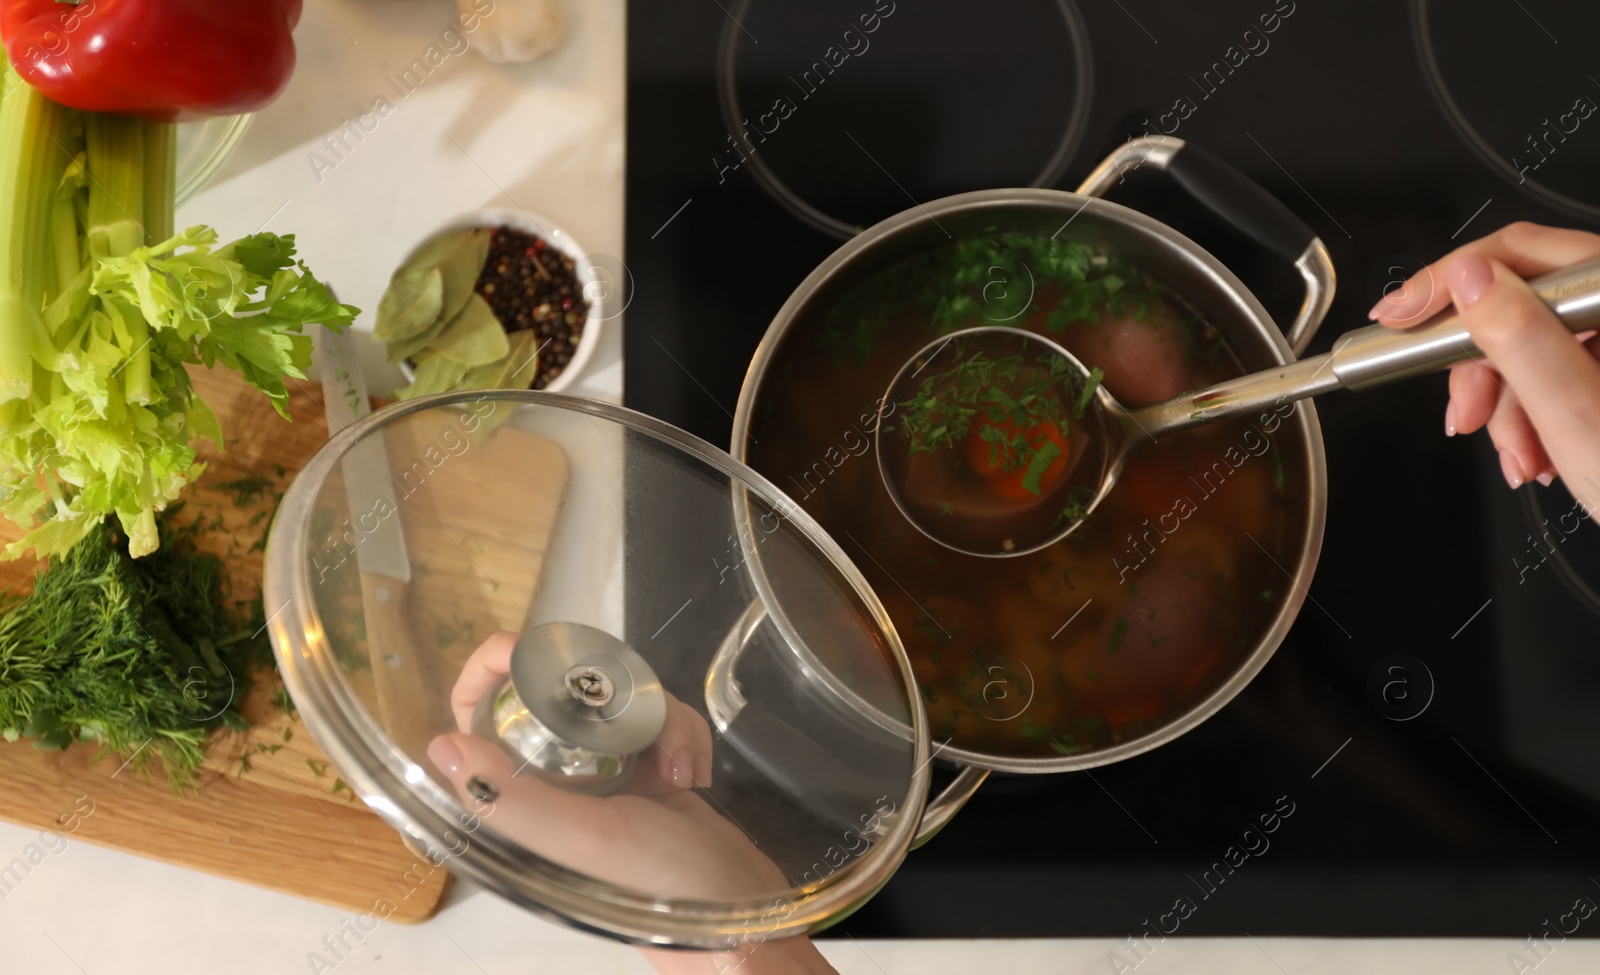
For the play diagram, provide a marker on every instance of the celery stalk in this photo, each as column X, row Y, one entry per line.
column 11, row 415
column 31, row 163
column 160, row 181
column 116, row 184
column 136, row 371
column 66, row 239
column 64, row 242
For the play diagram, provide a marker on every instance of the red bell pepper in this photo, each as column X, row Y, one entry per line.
column 167, row 60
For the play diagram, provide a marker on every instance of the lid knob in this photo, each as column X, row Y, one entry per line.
column 577, row 707
column 591, row 686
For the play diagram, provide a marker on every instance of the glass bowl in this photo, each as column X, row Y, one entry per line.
column 202, row 149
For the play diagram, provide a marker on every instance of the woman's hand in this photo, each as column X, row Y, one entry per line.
column 658, row 838
column 1538, row 387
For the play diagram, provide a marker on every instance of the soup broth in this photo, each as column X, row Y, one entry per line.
column 1105, row 635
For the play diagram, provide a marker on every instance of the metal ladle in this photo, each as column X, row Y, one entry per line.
column 1359, row 359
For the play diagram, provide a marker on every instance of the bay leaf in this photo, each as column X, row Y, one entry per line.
column 408, row 348
column 514, row 370
column 435, row 250
column 487, row 376
column 410, row 304
column 474, row 337
column 434, row 374
column 524, row 361
column 460, row 256
column 460, row 269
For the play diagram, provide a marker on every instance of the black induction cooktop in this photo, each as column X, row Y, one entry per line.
column 1426, row 742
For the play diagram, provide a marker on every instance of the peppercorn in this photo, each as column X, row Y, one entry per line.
column 530, row 285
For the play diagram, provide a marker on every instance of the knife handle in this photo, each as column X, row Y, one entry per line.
column 399, row 672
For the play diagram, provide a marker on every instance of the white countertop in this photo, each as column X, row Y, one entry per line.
column 363, row 156
column 88, row 911
column 547, row 138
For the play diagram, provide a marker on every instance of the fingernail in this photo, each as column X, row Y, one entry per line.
column 1511, row 468
column 1546, row 478
column 1396, row 304
column 444, row 753
column 702, row 771
column 1450, row 419
column 683, row 769
column 1469, row 277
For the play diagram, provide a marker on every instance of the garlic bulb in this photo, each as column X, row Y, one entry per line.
column 516, row 30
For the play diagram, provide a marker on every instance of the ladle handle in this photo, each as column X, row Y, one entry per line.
column 1375, row 354
column 1369, row 357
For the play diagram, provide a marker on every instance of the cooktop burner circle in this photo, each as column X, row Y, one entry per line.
column 1522, row 100
column 748, row 125
column 1554, row 519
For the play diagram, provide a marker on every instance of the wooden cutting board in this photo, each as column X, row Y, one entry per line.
column 271, row 810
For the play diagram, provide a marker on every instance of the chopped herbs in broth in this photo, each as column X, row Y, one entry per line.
column 981, row 438
column 1144, row 610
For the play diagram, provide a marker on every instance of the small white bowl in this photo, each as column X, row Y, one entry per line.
column 529, row 223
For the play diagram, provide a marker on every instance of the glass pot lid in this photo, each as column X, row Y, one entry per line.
column 599, row 666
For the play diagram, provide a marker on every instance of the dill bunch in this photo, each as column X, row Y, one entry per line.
column 143, row 656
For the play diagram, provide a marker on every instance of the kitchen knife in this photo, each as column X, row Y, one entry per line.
column 366, row 465
column 399, row 672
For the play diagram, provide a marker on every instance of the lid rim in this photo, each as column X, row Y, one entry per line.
column 423, row 810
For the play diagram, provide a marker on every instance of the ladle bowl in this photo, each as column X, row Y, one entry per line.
column 992, row 442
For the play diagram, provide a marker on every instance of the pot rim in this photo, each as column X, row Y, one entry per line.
column 1073, row 205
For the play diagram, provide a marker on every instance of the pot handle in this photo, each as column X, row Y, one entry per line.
column 942, row 808
column 725, row 700
column 1238, row 200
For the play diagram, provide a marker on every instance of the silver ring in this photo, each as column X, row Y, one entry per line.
column 482, row 789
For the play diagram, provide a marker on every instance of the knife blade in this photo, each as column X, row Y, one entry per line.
column 368, row 488
column 407, row 710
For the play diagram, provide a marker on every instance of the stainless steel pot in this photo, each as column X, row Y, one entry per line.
column 1169, row 256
